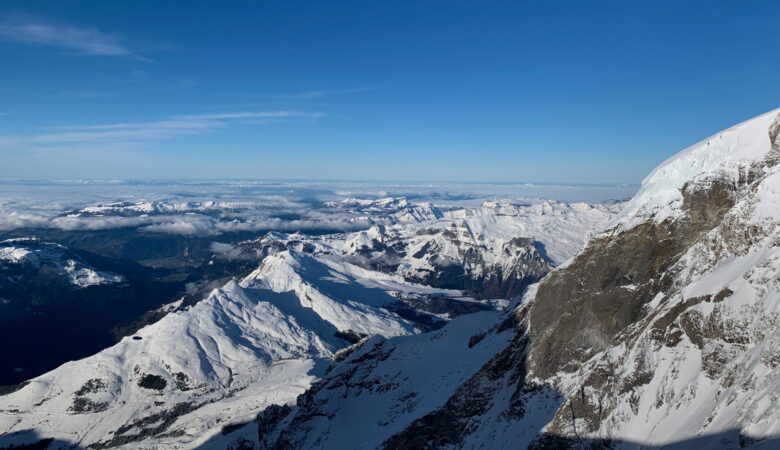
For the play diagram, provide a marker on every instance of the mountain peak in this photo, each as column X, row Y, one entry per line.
column 729, row 154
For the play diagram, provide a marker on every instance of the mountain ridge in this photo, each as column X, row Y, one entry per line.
column 661, row 331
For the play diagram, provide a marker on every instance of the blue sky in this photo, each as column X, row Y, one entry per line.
column 576, row 92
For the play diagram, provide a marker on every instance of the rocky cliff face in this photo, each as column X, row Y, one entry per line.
column 672, row 313
column 663, row 331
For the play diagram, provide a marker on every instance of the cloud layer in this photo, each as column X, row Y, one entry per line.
column 213, row 208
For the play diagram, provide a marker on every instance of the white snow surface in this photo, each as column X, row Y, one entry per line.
column 728, row 152
column 252, row 343
column 563, row 228
column 406, row 378
column 30, row 254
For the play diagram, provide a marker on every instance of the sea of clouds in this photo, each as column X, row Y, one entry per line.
column 213, row 207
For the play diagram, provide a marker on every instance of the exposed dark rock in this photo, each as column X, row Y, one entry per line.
column 155, row 382
column 439, row 304
column 774, row 133
column 231, row 427
column 267, row 421
column 83, row 405
column 92, row 386
column 476, row 339
column 355, row 380
column 421, row 319
column 346, row 352
column 578, row 311
column 182, row 381
column 691, row 323
column 152, row 425
column 350, row 336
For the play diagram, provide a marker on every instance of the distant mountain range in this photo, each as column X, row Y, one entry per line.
column 542, row 324
column 299, row 300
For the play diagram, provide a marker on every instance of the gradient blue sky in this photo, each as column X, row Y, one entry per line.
column 577, row 92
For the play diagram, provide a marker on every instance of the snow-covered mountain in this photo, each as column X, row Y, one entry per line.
column 264, row 339
column 24, row 259
column 495, row 250
column 693, row 347
column 252, row 343
column 389, row 210
column 129, row 209
column 663, row 331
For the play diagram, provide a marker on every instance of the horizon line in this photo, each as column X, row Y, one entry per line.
column 317, row 180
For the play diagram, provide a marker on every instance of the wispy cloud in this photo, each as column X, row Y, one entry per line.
column 163, row 129
column 252, row 115
column 4, row 114
column 321, row 93
column 86, row 94
column 82, row 40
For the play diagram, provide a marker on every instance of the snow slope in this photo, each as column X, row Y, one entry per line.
column 706, row 349
column 252, row 343
column 388, row 383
